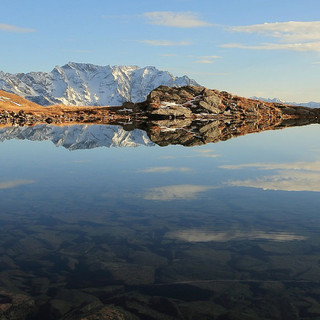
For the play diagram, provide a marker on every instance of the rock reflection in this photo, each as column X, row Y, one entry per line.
column 192, row 133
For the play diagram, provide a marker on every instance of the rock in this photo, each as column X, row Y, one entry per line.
column 226, row 94
column 172, row 112
column 14, row 306
column 208, row 107
column 214, row 100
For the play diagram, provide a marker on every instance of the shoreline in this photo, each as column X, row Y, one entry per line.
column 163, row 103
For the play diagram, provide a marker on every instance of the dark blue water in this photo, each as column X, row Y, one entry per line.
column 219, row 231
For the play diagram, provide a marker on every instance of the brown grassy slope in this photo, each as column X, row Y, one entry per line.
column 12, row 102
column 16, row 103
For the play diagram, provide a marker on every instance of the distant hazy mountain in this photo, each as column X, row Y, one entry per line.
column 310, row 104
column 79, row 136
column 88, row 84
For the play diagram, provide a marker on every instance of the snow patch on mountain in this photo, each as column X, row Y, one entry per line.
column 79, row 136
column 87, row 84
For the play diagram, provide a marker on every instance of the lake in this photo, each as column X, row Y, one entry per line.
column 97, row 221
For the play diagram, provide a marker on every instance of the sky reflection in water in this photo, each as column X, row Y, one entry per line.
column 149, row 215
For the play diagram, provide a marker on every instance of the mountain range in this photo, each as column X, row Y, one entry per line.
column 82, row 84
column 310, row 104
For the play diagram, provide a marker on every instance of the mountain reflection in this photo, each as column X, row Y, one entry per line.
column 186, row 132
column 75, row 137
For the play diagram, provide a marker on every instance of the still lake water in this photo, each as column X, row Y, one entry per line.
column 221, row 231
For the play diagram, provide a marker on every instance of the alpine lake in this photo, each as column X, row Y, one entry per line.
column 98, row 222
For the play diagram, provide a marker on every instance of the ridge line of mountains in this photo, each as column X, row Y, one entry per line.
column 85, row 84
column 82, row 84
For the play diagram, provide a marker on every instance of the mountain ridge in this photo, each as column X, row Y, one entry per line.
column 86, row 84
column 310, row 104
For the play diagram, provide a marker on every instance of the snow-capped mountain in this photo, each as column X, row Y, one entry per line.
column 310, row 104
column 79, row 136
column 87, row 84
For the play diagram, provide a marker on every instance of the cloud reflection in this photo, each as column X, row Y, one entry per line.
column 295, row 176
column 14, row 183
column 285, row 181
column 302, row 165
column 175, row 192
column 195, row 235
column 165, row 169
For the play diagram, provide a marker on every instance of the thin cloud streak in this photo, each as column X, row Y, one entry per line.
column 175, row 19
column 207, row 59
column 304, row 46
column 290, row 31
column 165, row 43
column 14, row 29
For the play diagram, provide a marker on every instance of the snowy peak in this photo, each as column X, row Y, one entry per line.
column 88, row 84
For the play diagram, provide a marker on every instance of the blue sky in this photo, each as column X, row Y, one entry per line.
column 251, row 47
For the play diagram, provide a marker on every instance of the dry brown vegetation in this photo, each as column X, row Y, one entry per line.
column 15, row 103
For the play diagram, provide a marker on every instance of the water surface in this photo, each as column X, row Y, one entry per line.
column 111, row 220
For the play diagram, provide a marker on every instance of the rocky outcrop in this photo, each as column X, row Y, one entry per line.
column 198, row 102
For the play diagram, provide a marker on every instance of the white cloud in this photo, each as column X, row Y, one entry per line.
column 291, row 35
column 290, row 31
column 14, row 183
column 175, row 19
column 166, row 43
column 165, row 169
column 304, row 46
column 175, row 192
column 15, row 29
column 195, row 235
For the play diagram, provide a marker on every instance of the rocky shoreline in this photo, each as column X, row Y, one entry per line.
column 189, row 102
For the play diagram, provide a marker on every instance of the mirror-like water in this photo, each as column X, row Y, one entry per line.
column 217, row 231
